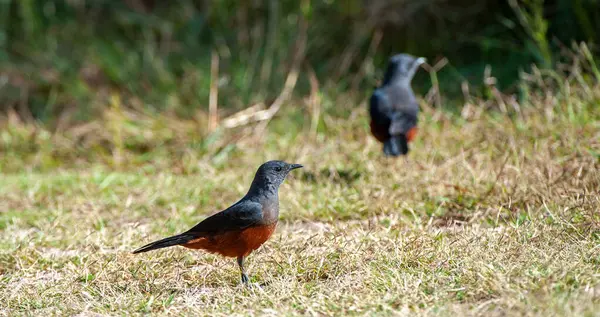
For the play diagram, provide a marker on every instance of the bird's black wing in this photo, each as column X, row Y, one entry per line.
column 404, row 110
column 241, row 215
column 379, row 108
column 402, row 122
column 403, row 119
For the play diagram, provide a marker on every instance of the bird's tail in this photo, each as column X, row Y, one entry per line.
column 396, row 145
column 166, row 242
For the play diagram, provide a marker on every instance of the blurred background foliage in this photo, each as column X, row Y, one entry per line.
column 62, row 60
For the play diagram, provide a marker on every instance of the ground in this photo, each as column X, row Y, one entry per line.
column 492, row 213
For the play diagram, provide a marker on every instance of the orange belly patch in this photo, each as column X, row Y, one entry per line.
column 382, row 134
column 410, row 135
column 234, row 243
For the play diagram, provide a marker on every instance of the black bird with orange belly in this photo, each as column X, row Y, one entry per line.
column 241, row 228
column 393, row 106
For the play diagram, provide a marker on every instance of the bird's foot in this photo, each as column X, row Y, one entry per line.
column 245, row 279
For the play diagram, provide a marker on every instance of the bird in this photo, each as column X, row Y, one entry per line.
column 241, row 228
column 393, row 107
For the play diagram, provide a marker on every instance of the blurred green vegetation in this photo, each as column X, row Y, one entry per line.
column 65, row 58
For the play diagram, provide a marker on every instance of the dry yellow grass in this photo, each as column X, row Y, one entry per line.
column 496, row 214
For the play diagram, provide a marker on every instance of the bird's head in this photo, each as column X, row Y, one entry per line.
column 273, row 173
column 402, row 67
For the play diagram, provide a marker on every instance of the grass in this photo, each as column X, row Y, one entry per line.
column 495, row 212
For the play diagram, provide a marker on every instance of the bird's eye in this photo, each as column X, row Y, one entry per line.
column 278, row 168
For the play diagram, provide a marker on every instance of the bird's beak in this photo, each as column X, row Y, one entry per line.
column 420, row 61
column 295, row 166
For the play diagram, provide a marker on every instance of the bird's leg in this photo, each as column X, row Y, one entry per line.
column 240, row 261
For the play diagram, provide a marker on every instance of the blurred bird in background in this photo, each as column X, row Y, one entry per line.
column 393, row 107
